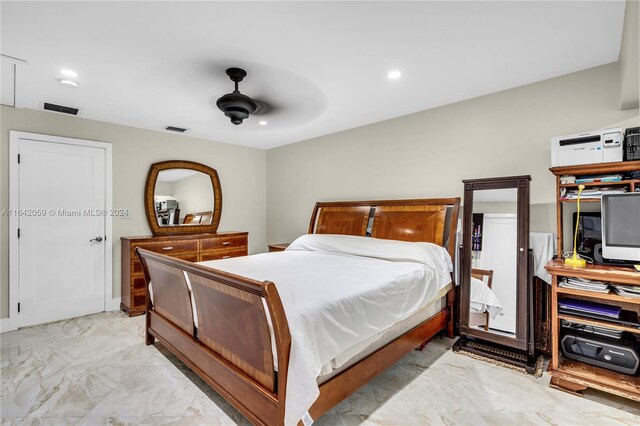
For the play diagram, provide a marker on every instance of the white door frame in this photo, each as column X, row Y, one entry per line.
column 11, row 323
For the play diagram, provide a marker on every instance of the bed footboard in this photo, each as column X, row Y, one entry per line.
column 231, row 348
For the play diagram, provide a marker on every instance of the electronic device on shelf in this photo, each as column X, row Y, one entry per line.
column 601, row 260
column 604, row 146
column 632, row 144
column 621, row 226
column 620, row 355
column 589, row 232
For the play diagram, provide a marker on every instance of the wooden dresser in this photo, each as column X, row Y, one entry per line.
column 192, row 247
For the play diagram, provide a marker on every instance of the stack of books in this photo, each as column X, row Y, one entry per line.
column 591, row 193
column 601, row 178
column 585, row 284
column 591, row 329
column 610, row 314
column 578, row 306
column 627, row 290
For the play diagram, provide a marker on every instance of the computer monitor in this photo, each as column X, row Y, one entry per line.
column 589, row 232
column 621, row 226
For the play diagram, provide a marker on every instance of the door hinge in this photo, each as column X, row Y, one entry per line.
column 18, row 232
column 18, row 158
column 18, row 307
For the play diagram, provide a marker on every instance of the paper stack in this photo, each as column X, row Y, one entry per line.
column 585, row 284
column 592, row 193
column 627, row 290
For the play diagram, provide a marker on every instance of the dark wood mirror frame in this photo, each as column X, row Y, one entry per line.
column 181, row 229
column 524, row 314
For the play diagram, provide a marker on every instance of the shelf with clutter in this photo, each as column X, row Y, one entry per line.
column 595, row 296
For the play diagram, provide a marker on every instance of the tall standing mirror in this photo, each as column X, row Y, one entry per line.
column 495, row 291
column 182, row 197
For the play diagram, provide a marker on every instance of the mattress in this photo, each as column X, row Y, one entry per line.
column 347, row 358
column 483, row 299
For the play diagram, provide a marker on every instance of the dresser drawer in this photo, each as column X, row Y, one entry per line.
column 136, row 265
column 223, row 254
column 169, row 247
column 138, row 283
column 223, row 242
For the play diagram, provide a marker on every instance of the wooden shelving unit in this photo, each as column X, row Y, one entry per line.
column 585, row 171
column 569, row 375
column 574, row 376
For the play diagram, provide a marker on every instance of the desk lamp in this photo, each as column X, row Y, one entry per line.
column 576, row 261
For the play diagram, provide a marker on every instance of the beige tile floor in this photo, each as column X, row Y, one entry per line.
column 96, row 370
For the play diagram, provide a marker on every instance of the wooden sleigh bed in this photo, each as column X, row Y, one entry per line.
column 231, row 349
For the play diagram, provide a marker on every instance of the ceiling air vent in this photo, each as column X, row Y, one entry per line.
column 60, row 108
column 175, row 129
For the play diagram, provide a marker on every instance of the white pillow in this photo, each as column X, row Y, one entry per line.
column 391, row 250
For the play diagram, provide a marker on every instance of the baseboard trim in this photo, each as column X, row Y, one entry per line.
column 7, row 324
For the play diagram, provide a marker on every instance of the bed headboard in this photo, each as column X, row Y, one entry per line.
column 432, row 220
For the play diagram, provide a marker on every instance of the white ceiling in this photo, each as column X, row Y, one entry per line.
column 323, row 65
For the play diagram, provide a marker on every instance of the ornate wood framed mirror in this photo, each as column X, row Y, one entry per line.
column 182, row 197
column 495, row 305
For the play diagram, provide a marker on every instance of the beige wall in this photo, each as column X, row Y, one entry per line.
column 630, row 57
column 242, row 171
column 194, row 194
column 163, row 188
column 427, row 154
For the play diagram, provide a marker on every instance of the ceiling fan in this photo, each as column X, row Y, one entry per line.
column 237, row 106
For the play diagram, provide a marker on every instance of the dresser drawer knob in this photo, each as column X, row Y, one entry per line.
column 226, row 243
column 226, row 257
column 167, row 248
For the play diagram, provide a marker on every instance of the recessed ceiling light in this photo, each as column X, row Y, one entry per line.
column 68, row 73
column 262, row 123
column 394, row 75
column 68, row 83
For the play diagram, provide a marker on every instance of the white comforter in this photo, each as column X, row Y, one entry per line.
column 483, row 299
column 334, row 300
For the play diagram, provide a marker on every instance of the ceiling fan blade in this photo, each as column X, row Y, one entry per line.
column 263, row 107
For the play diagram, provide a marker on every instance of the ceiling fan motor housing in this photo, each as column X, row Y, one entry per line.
column 235, row 105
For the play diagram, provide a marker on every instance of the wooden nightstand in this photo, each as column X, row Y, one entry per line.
column 278, row 247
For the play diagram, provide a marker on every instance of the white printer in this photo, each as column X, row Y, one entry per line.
column 604, row 146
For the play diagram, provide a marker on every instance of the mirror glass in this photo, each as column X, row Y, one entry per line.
column 183, row 197
column 494, row 257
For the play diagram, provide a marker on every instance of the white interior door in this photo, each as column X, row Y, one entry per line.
column 62, row 202
column 500, row 254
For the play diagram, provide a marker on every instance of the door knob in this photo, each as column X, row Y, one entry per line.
column 96, row 240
